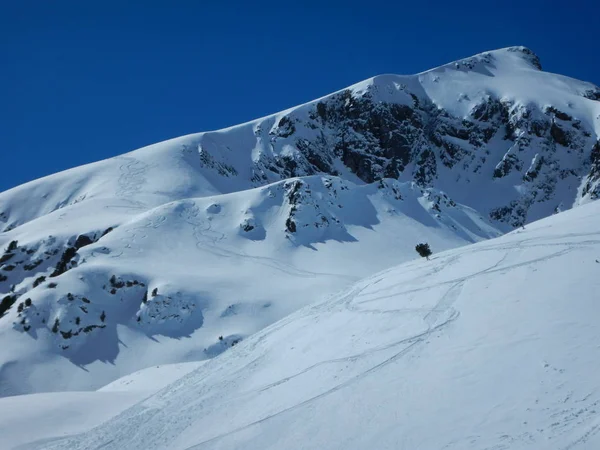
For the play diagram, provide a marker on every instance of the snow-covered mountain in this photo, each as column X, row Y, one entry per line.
column 439, row 354
column 190, row 278
column 178, row 251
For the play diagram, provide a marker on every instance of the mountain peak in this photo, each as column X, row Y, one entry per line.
column 523, row 53
column 500, row 59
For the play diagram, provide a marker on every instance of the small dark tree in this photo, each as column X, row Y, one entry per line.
column 28, row 302
column 423, row 250
column 154, row 292
column 77, row 320
column 20, row 307
column 55, row 326
column 103, row 316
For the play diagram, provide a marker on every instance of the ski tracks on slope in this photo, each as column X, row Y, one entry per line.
column 431, row 319
column 442, row 310
column 211, row 240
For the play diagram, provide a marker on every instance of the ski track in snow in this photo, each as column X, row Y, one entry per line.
column 563, row 419
column 431, row 318
column 211, row 240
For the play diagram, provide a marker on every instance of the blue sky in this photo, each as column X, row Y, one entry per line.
column 83, row 81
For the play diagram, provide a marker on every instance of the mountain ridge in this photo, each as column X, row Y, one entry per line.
column 313, row 198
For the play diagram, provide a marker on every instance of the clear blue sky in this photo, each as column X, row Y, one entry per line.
column 82, row 81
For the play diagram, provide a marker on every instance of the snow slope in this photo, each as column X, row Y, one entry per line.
column 178, row 251
column 163, row 286
column 493, row 345
column 151, row 379
column 58, row 414
column 47, row 416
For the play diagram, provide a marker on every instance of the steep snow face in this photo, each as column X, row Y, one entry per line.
column 189, row 279
column 446, row 345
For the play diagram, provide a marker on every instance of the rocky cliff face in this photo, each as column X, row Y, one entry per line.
column 524, row 139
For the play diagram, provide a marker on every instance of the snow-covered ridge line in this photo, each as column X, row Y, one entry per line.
column 491, row 114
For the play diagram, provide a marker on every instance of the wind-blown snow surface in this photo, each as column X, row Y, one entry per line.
column 494, row 345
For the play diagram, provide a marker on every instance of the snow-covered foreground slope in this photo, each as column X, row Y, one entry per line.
column 494, row 345
column 37, row 417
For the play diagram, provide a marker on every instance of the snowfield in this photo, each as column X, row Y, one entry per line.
column 58, row 414
column 186, row 295
column 170, row 281
column 494, row 345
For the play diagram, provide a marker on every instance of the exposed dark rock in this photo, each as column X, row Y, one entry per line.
column 593, row 94
column 285, row 127
column 12, row 246
column 533, row 172
column 115, row 283
column 6, row 303
column 33, row 264
column 558, row 114
column 66, row 334
column 505, row 166
column 594, row 175
column 62, row 265
column 559, row 135
column 426, row 168
column 82, row 240
column 290, row 225
column 6, row 257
